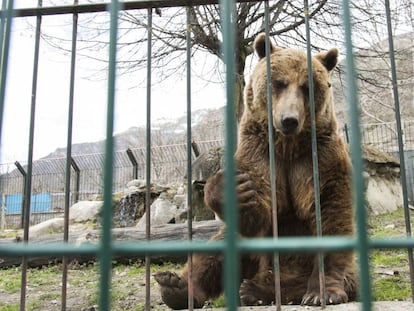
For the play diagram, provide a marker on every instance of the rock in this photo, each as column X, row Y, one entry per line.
column 84, row 211
column 200, row 210
column 390, row 226
column 54, row 225
column 179, row 200
column 207, row 164
column 137, row 183
column 162, row 212
column 131, row 208
column 383, row 195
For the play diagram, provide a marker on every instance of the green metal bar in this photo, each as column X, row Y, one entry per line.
column 316, row 187
column 231, row 217
column 106, row 251
column 6, row 23
column 269, row 245
column 358, row 182
column 3, row 20
column 69, row 156
column 28, row 185
column 189, row 163
column 102, row 7
column 403, row 177
column 148, row 164
column 276, row 262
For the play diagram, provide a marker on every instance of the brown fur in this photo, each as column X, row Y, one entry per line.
column 294, row 193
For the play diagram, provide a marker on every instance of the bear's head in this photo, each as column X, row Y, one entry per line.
column 290, row 88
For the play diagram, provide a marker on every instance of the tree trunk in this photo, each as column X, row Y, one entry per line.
column 202, row 230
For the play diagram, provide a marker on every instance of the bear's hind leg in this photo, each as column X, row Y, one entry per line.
column 206, row 275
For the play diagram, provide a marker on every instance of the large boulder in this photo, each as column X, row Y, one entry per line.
column 382, row 179
column 49, row 226
column 85, row 211
column 163, row 211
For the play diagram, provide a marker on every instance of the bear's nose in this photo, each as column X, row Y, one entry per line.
column 289, row 125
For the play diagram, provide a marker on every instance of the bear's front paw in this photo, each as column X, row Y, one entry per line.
column 246, row 192
column 214, row 192
column 173, row 289
column 252, row 294
column 334, row 295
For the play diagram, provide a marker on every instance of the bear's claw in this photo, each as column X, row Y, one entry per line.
column 333, row 296
column 251, row 294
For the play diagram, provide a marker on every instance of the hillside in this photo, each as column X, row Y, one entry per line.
column 207, row 124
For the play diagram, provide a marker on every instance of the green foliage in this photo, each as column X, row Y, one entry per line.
column 219, row 302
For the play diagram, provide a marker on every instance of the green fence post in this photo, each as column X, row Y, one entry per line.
column 69, row 160
column 231, row 253
column 358, row 182
column 105, row 250
column 5, row 29
column 148, row 162
column 273, row 181
column 403, row 176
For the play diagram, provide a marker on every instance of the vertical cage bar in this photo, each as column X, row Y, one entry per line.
column 148, row 165
column 273, row 181
column 5, row 29
column 28, row 186
column 403, row 176
column 189, row 164
column 315, row 165
column 69, row 159
column 231, row 217
column 358, row 182
column 105, row 251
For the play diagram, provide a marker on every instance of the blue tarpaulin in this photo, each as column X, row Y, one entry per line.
column 40, row 202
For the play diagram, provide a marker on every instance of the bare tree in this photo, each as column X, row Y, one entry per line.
column 286, row 27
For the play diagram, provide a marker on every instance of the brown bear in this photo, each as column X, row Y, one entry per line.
column 294, row 189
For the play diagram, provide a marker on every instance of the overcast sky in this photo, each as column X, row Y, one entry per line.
column 168, row 99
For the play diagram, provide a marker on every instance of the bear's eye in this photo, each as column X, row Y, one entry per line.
column 329, row 84
column 280, row 84
column 305, row 89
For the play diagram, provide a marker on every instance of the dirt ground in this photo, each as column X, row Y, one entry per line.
column 43, row 293
column 127, row 290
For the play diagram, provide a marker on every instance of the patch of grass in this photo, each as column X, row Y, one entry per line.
column 387, row 225
column 50, row 296
column 392, row 288
column 219, row 302
column 389, row 258
column 6, row 234
column 93, row 299
column 388, row 287
column 10, row 280
column 35, row 305
column 10, row 307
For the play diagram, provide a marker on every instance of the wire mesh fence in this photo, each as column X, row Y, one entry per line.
column 169, row 165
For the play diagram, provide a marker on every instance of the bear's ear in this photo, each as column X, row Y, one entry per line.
column 329, row 59
column 259, row 45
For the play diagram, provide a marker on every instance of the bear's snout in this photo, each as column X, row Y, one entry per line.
column 289, row 125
